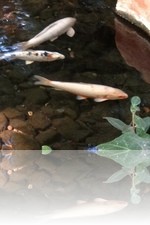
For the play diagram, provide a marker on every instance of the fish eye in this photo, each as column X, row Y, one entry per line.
column 122, row 96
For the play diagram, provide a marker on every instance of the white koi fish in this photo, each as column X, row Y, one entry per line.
column 31, row 56
column 84, row 209
column 51, row 32
column 98, row 92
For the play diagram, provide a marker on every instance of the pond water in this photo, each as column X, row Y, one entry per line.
column 101, row 52
column 96, row 54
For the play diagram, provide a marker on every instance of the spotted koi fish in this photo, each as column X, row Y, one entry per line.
column 32, row 56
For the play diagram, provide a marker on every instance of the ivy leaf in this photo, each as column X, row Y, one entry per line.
column 128, row 150
column 117, row 123
column 46, row 150
column 135, row 101
column 127, row 141
column 135, row 198
column 141, row 125
column 147, row 122
column 117, row 176
column 142, row 175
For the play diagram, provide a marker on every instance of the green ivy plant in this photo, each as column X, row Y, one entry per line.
column 46, row 150
column 131, row 150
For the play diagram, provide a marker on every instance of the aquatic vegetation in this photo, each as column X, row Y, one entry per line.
column 46, row 150
column 131, row 150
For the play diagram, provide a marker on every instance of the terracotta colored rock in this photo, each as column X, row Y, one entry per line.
column 136, row 12
column 3, row 121
column 18, row 141
column 134, row 48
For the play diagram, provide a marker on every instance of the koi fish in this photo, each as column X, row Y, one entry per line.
column 97, row 207
column 98, row 92
column 51, row 32
column 31, row 56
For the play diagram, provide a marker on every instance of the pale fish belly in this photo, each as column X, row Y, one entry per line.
column 88, row 209
column 88, row 90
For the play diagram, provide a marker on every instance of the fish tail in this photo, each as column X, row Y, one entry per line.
column 21, row 45
column 6, row 56
column 2, row 56
column 42, row 81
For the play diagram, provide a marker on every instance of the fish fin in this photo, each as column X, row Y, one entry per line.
column 80, row 97
column 2, row 56
column 28, row 62
column 100, row 99
column 53, row 39
column 7, row 57
column 20, row 46
column 71, row 32
column 41, row 81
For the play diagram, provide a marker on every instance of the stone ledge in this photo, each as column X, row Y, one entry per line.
column 135, row 11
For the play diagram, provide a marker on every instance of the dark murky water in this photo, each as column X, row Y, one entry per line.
column 32, row 184
column 58, row 119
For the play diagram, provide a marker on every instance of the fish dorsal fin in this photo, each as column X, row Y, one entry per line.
column 80, row 97
column 70, row 32
column 100, row 99
column 28, row 62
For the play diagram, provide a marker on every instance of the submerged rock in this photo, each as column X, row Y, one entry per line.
column 18, row 141
column 39, row 121
column 131, row 44
column 35, row 6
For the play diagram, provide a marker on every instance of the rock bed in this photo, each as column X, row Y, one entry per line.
column 33, row 116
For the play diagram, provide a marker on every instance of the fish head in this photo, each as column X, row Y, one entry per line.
column 70, row 21
column 123, row 96
column 117, row 203
column 73, row 21
column 66, row 23
column 57, row 55
column 117, row 94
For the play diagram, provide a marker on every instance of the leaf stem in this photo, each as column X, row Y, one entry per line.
column 133, row 179
column 133, row 121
